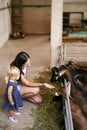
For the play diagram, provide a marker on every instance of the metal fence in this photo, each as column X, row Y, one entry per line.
column 78, row 53
column 67, row 108
column 75, row 51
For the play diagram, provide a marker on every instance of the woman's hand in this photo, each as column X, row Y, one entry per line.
column 49, row 86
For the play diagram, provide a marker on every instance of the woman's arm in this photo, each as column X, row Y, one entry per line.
column 10, row 89
column 26, row 82
column 33, row 84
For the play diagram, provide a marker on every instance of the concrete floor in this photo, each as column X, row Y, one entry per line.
column 38, row 47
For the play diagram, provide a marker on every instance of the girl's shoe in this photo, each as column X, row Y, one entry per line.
column 20, row 107
column 17, row 113
column 13, row 119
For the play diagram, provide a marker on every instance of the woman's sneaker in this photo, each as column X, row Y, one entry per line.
column 17, row 113
column 13, row 119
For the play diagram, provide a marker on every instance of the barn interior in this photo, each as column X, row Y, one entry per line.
column 23, row 17
column 37, row 26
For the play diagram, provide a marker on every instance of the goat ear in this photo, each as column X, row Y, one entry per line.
column 53, row 69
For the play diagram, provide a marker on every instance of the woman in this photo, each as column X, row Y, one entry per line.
column 28, row 90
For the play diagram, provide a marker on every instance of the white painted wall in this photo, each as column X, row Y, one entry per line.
column 5, row 23
column 56, row 31
column 75, row 1
column 75, row 6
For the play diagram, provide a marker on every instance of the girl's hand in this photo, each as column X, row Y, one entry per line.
column 49, row 86
column 12, row 103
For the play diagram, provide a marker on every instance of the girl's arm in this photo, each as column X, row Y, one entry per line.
column 33, row 84
column 10, row 89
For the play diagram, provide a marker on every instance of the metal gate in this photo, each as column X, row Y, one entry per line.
column 78, row 53
column 75, row 51
column 67, row 108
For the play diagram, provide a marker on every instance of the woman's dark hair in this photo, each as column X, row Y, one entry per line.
column 20, row 59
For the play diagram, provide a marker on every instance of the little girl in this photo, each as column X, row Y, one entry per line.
column 12, row 98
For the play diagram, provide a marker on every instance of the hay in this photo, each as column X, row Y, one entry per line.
column 47, row 115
